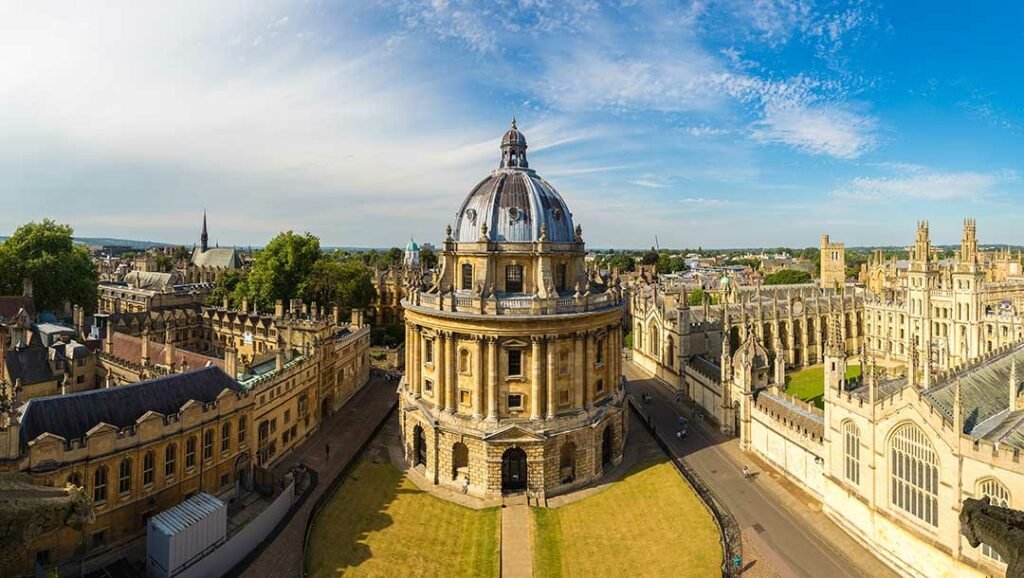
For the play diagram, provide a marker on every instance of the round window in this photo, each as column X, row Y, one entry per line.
column 557, row 214
column 514, row 214
column 471, row 215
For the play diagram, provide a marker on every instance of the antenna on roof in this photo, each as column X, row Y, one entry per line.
column 656, row 245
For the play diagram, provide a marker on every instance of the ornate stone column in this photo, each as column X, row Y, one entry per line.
column 577, row 360
column 588, row 371
column 550, row 401
column 440, row 353
column 492, row 378
column 452, row 377
column 478, row 379
column 537, row 378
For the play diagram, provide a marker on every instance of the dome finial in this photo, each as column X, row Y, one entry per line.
column 513, row 121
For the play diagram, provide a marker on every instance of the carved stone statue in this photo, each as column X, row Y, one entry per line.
column 1001, row 528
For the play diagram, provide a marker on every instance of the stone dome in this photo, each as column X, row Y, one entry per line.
column 514, row 202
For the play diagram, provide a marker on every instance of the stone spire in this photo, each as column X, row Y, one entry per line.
column 204, row 238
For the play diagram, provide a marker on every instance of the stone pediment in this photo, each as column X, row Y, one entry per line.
column 514, row 433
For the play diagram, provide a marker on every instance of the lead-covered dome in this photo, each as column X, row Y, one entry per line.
column 513, row 202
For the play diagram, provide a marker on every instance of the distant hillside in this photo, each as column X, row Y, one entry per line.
column 101, row 241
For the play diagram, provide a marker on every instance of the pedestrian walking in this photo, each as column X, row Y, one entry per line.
column 746, row 473
column 679, row 397
column 327, row 450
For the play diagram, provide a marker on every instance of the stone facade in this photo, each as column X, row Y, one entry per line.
column 833, row 264
column 513, row 364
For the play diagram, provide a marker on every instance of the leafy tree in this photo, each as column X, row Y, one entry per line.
column 281, row 270
column 650, row 257
column 343, row 283
column 624, row 263
column 181, row 254
column 696, row 297
column 787, row 277
column 227, row 285
column 164, row 263
column 394, row 256
column 60, row 270
column 428, row 258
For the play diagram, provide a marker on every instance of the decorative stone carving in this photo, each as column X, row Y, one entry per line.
column 1000, row 528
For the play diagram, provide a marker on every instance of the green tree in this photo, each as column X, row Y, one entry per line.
column 281, row 270
column 227, row 285
column 650, row 257
column 394, row 256
column 428, row 258
column 696, row 297
column 346, row 284
column 164, row 263
column 787, row 277
column 181, row 254
column 624, row 263
column 46, row 254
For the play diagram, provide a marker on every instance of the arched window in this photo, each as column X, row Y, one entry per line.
column 851, row 452
column 75, row 479
column 638, row 337
column 464, row 361
column 99, row 484
column 124, row 477
column 190, row 452
column 148, row 467
column 460, row 460
column 467, row 277
column 654, row 343
column 599, row 350
column 914, row 474
column 567, row 463
column 998, row 495
column 513, row 278
column 208, row 444
column 170, row 455
column 670, row 352
column 241, row 429
column 225, row 437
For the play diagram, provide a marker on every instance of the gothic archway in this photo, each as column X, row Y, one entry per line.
column 419, row 447
column 607, row 449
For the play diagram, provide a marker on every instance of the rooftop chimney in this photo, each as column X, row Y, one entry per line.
column 231, row 362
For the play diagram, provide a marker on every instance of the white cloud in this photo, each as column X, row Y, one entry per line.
column 824, row 130
column 929, row 186
column 707, row 203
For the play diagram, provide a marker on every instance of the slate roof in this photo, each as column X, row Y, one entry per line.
column 71, row 416
column 984, row 398
column 30, row 365
column 11, row 304
column 222, row 257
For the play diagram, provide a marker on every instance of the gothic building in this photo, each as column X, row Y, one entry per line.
column 512, row 371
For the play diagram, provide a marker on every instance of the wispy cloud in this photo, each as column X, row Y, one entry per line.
column 824, row 130
column 708, row 203
column 929, row 186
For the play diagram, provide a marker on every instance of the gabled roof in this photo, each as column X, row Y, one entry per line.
column 71, row 416
column 30, row 365
column 129, row 348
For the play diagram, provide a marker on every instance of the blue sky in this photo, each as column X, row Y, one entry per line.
column 721, row 124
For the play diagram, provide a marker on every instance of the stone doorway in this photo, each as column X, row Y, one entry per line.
column 513, row 470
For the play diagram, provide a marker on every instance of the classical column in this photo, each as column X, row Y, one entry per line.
column 452, row 377
column 588, row 371
column 536, row 382
column 440, row 369
column 478, row 380
column 577, row 362
column 551, row 378
column 492, row 378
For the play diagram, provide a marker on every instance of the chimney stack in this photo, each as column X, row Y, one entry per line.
column 231, row 362
column 336, row 315
column 279, row 309
column 279, row 357
column 108, row 339
column 145, row 347
column 170, row 351
column 357, row 318
column 245, row 304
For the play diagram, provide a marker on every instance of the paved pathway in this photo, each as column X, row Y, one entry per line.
column 793, row 538
column 346, row 431
column 516, row 548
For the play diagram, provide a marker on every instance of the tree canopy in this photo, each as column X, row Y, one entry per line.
column 46, row 254
column 787, row 277
column 281, row 270
column 292, row 266
column 624, row 263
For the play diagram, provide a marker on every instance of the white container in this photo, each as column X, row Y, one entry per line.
column 181, row 536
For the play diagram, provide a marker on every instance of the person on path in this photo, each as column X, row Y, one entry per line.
column 746, row 473
column 327, row 450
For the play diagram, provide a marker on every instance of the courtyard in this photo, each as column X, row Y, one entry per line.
column 380, row 524
column 650, row 519
column 809, row 384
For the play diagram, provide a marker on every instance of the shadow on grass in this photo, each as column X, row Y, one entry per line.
column 359, row 508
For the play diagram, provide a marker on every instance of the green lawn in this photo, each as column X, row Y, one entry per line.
column 651, row 523
column 379, row 523
column 809, row 384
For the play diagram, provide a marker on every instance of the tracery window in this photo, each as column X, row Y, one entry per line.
column 851, row 452
column 99, row 485
column 124, row 481
column 914, row 474
column 170, row 454
column 998, row 495
column 148, row 465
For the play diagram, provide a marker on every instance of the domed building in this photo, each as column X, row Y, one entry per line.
column 513, row 358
